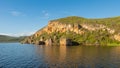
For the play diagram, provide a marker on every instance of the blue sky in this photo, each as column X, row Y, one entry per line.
column 24, row 17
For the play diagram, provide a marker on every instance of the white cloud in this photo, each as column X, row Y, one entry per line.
column 5, row 34
column 18, row 34
column 24, row 34
column 17, row 13
column 45, row 14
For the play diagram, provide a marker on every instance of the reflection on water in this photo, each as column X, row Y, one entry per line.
column 29, row 56
column 81, row 57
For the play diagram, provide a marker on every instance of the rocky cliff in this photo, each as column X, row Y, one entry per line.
column 77, row 30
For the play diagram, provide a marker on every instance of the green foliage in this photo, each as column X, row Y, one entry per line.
column 70, row 20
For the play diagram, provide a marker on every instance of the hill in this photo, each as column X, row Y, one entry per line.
column 5, row 38
column 75, row 30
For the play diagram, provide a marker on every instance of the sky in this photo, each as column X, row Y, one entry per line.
column 25, row 17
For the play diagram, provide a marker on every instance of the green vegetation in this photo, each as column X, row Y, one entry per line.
column 71, row 20
column 89, row 38
column 4, row 38
column 110, row 22
column 78, row 20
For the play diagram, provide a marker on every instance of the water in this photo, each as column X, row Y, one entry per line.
column 15, row 55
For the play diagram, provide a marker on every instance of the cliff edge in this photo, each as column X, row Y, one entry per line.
column 78, row 31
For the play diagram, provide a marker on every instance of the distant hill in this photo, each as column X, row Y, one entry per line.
column 5, row 38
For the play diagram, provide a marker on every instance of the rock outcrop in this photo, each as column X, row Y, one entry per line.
column 66, row 42
column 117, row 37
column 60, row 27
column 49, row 41
column 76, row 27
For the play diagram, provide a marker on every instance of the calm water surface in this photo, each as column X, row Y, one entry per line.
column 15, row 55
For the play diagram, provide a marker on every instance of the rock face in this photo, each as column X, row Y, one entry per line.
column 49, row 42
column 66, row 42
column 60, row 27
column 53, row 32
column 117, row 37
column 95, row 27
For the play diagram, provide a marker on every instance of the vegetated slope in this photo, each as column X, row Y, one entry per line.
column 5, row 38
column 84, row 31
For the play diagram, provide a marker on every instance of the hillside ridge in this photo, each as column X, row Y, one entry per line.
column 79, row 30
column 6, row 38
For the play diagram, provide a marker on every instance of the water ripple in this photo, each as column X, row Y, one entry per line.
column 15, row 55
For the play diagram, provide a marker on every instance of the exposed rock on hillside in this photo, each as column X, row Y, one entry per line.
column 65, row 31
